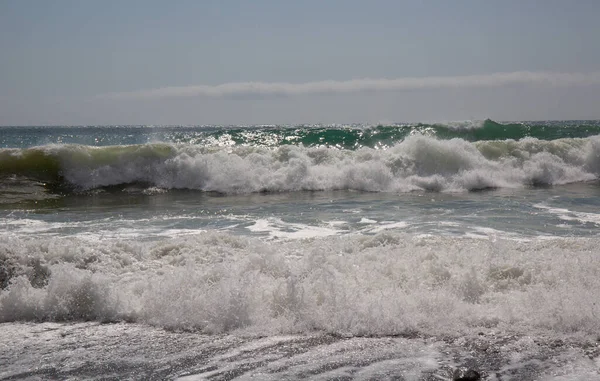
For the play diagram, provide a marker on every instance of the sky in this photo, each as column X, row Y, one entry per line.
column 194, row 62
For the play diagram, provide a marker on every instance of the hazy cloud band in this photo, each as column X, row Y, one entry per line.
column 243, row 89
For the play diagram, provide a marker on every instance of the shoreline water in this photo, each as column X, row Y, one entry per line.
column 117, row 351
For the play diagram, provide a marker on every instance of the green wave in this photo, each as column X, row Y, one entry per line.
column 344, row 137
column 66, row 167
column 31, row 163
column 383, row 136
column 48, row 163
column 491, row 130
column 411, row 164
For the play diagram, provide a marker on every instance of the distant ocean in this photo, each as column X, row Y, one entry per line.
column 403, row 251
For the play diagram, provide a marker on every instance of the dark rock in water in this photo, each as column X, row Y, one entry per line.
column 463, row 374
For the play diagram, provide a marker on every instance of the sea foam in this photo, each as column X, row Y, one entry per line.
column 385, row 284
column 417, row 163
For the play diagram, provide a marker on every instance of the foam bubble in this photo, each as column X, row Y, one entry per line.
column 384, row 284
column 277, row 228
column 417, row 163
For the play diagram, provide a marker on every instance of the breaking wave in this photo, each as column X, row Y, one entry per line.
column 417, row 163
column 386, row 284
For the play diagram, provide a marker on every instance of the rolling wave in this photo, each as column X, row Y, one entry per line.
column 417, row 163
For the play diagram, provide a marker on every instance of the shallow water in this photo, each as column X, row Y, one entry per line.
column 113, row 352
column 562, row 211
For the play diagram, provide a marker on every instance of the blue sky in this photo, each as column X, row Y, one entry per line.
column 247, row 62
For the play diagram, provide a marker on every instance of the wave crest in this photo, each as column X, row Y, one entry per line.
column 417, row 163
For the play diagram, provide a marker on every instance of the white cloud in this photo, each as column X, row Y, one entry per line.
column 244, row 89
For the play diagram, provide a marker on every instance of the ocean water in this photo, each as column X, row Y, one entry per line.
column 405, row 251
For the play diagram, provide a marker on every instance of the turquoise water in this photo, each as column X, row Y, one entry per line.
column 325, row 239
column 341, row 136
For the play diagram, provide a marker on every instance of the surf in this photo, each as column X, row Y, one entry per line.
column 380, row 285
column 417, row 163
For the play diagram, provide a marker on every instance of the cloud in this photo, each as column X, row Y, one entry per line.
column 249, row 89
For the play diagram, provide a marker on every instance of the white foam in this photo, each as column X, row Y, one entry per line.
column 276, row 228
column 570, row 215
column 366, row 221
column 129, row 350
column 417, row 163
column 336, row 223
column 388, row 226
column 383, row 284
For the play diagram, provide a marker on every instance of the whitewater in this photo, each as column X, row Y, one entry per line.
column 405, row 251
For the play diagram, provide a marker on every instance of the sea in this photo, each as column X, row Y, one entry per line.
column 404, row 251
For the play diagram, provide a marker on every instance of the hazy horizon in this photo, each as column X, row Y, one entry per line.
column 230, row 63
column 342, row 124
